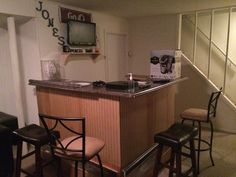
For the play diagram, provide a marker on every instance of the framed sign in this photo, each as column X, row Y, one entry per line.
column 68, row 14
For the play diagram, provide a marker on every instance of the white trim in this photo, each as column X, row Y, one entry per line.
column 227, row 49
column 210, row 44
column 179, row 31
column 195, row 39
column 16, row 70
column 17, row 81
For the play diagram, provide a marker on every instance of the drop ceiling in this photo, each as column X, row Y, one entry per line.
column 139, row 8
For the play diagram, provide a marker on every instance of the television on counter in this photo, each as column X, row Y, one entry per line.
column 81, row 33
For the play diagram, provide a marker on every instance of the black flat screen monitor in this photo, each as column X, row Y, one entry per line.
column 81, row 33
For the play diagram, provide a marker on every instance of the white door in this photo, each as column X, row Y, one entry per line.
column 116, row 56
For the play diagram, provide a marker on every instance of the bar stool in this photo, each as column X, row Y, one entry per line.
column 8, row 123
column 175, row 138
column 36, row 136
column 6, row 154
column 203, row 116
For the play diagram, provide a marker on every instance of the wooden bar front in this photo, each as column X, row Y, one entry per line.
column 127, row 125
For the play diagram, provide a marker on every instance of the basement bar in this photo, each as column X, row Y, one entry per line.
column 126, row 121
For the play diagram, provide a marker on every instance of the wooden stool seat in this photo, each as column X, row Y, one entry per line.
column 175, row 137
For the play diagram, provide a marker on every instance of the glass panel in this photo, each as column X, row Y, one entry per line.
column 220, row 29
column 219, row 43
column 230, row 85
column 232, row 37
column 217, row 67
column 202, row 41
column 187, row 35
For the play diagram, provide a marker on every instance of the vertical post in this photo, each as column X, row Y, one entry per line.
column 105, row 56
column 227, row 50
column 210, row 44
column 195, row 39
column 16, row 71
column 179, row 28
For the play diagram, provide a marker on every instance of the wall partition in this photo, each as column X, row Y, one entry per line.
column 208, row 42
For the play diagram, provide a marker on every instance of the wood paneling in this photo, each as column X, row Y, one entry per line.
column 127, row 125
column 141, row 118
column 101, row 113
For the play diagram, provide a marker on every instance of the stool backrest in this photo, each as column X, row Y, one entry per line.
column 72, row 127
column 212, row 105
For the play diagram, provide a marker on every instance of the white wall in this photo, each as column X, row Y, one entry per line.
column 30, row 65
column 150, row 33
column 159, row 32
column 19, row 9
column 7, row 93
column 80, row 67
column 36, row 42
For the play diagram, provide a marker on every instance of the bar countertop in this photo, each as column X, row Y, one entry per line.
column 77, row 86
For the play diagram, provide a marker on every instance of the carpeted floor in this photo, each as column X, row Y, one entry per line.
column 224, row 154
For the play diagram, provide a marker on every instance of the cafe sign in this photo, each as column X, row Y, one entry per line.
column 69, row 14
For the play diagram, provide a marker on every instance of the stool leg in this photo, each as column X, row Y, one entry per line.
column 18, row 159
column 76, row 169
column 38, row 161
column 100, row 165
column 59, row 171
column 157, row 165
column 211, row 140
column 199, row 147
column 178, row 162
column 172, row 162
column 193, row 157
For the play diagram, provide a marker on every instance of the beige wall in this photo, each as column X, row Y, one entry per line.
column 80, row 67
column 18, row 7
column 196, row 91
column 35, row 43
column 150, row 33
column 7, row 94
column 146, row 34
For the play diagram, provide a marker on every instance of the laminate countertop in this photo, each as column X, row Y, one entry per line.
column 87, row 87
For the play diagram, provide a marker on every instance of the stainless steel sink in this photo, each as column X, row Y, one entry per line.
column 78, row 83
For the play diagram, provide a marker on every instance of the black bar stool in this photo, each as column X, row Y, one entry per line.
column 6, row 155
column 36, row 136
column 8, row 123
column 176, row 137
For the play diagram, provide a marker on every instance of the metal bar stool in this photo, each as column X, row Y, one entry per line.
column 175, row 138
column 76, row 146
column 203, row 116
column 36, row 136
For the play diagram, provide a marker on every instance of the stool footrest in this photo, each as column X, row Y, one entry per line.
column 185, row 154
column 202, row 149
column 26, row 172
column 27, row 155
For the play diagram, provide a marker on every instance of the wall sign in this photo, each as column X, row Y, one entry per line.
column 68, row 14
column 46, row 16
